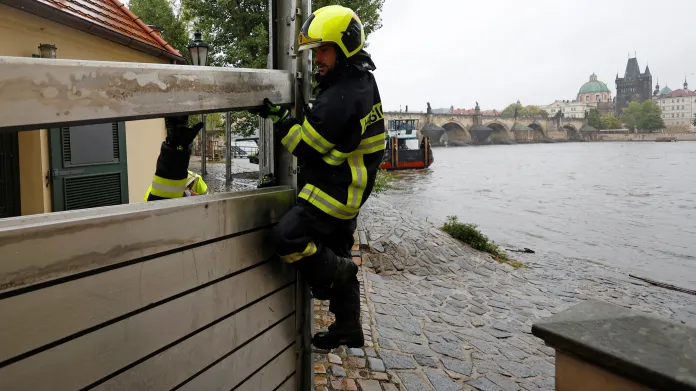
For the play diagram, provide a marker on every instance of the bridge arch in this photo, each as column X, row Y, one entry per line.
column 500, row 132
column 572, row 131
column 539, row 133
column 454, row 131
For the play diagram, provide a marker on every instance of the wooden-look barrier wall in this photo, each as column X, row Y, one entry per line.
column 178, row 294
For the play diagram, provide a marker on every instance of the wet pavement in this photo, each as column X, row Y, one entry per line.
column 245, row 175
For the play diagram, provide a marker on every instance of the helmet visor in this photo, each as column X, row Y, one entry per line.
column 304, row 39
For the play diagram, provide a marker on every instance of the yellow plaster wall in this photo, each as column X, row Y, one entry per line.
column 21, row 34
column 143, row 141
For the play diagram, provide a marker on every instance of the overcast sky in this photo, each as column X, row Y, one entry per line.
column 456, row 52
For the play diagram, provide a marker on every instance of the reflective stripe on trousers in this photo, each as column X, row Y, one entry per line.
column 310, row 250
column 326, row 203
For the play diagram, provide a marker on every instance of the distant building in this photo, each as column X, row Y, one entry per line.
column 598, row 94
column 569, row 108
column 678, row 107
column 633, row 87
column 594, row 91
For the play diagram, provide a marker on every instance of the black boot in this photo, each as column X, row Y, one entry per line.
column 344, row 271
column 347, row 333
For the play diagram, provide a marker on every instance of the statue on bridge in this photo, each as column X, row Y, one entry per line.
column 430, row 110
column 477, row 109
column 516, row 111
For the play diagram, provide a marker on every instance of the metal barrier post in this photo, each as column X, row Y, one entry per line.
column 204, row 147
column 287, row 17
column 228, row 149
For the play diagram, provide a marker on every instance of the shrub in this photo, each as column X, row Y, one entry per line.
column 471, row 235
column 382, row 182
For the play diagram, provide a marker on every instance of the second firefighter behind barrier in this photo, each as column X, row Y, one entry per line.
column 339, row 147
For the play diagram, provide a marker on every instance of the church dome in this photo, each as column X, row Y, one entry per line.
column 593, row 86
column 665, row 91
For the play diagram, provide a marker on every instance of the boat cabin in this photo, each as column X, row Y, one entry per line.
column 405, row 130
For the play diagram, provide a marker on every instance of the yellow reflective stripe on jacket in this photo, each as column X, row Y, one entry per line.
column 371, row 144
column 309, row 135
column 357, row 186
column 293, row 138
column 335, row 157
column 310, row 250
column 314, row 139
column 326, row 203
column 367, row 146
column 168, row 188
column 373, row 116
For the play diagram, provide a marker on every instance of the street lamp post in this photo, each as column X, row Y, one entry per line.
column 199, row 57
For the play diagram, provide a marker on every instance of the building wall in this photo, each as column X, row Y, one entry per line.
column 678, row 111
column 637, row 89
column 569, row 109
column 34, row 165
column 595, row 97
column 143, row 141
column 21, row 34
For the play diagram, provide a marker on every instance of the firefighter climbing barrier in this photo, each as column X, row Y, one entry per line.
column 174, row 294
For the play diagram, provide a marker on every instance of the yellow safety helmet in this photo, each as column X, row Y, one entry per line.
column 333, row 23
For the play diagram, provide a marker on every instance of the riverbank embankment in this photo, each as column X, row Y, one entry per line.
column 442, row 316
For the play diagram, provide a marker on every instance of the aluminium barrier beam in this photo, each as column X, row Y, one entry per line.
column 38, row 93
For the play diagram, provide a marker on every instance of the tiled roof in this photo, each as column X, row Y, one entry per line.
column 679, row 93
column 111, row 15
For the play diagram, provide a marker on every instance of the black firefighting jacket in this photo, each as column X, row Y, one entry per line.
column 340, row 143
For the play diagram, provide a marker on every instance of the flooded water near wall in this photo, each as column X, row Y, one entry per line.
column 628, row 205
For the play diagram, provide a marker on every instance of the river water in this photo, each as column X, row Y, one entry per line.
column 627, row 205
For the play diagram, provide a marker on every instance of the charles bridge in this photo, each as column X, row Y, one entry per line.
column 503, row 128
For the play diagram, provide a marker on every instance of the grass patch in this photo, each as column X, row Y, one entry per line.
column 470, row 234
column 382, row 182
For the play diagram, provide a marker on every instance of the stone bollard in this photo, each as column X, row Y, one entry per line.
column 601, row 346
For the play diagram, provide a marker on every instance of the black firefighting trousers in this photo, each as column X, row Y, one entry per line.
column 310, row 239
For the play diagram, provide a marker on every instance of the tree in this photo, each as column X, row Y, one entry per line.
column 631, row 115
column 367, row 10
column 694, row 120
column 510, row 109
column 161, row 14
column 610, row 122
column 238, row 29
column 644, row 116
column 594, row 120
column 524, row 111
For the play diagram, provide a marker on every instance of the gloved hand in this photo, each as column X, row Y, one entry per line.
column 179, row 135
column 267, row 181
column 270, row 110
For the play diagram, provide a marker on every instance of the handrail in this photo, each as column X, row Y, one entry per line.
column 38, row 93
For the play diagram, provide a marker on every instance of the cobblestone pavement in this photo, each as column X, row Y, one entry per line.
column 442, row 316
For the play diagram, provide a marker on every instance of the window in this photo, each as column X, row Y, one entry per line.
column 587, row 98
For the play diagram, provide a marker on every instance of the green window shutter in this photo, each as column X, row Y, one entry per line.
column 89, row 166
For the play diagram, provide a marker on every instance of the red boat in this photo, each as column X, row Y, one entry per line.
column 403, row 149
